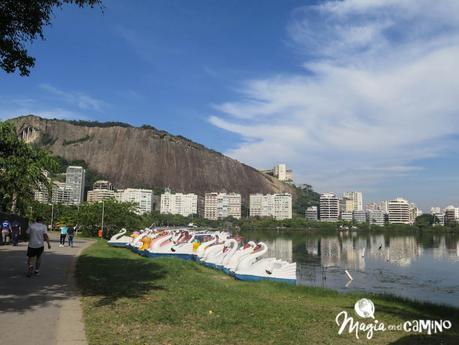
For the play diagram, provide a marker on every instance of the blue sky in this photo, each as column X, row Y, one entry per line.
column 352, row 95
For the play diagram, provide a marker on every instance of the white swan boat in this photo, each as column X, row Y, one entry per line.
column 213, row 250
column 120, row 240
column 178, row 243
column 183, row 246
column 255, row 268
column 230, row 264
column 230, row 247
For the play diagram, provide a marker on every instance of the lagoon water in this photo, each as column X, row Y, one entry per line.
column 423, row 267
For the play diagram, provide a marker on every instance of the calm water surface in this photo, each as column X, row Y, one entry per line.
column 423, row 267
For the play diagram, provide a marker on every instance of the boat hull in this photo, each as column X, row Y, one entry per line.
column 118, row 244
column 170, row 255
column 248, row 277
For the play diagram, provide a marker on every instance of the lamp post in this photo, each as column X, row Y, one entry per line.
column 52, row 215
column 103, row 214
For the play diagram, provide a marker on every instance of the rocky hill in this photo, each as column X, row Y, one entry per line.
column 145, row 157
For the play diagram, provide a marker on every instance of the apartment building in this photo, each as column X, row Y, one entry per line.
column 141, row 197
column 222, row 205
column 399, row 211
column 278, row 206
column 179, row 203
column 75, row 183
column 329, row 207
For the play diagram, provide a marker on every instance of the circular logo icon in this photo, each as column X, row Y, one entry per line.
column 365, row 308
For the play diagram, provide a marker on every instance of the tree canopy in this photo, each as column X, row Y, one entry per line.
column 21, row 22
column 21, row 169
column 426, row 220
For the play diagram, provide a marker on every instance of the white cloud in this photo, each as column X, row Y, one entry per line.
column 378, row 92
column 78, row 99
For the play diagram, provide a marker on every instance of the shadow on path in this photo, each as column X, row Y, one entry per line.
column 19, row 293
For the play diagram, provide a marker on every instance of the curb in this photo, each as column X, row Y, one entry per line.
column 70, row 325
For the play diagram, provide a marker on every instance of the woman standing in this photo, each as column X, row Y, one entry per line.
column 64, row 230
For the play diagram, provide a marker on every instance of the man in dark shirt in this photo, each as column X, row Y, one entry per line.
column 70, row 234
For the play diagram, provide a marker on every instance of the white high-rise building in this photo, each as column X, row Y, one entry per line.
column 376, row 217
column 261, row 205
column 435, row 210
column 451, row 214
column 414, row 212
column 329, row 207
column 346, row 216
column 98, row 195
column 282, row 206
column 312, row 213
column 399, row 211
column 356, row 198
column 102, row 190
column 384, row 206
column 280, row 171
column 359, row 216
column 102, row 184
column 222, row 205
column 179, row 203
column 347, row 205
column 455, row 210
column 278, row 206
column 141, row 197
column 41, row 194
column 234, row 205
column 61, row 193
column 74, row 181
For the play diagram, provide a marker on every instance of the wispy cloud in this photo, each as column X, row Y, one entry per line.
column 136, row 43
column 378, row 92
column 10, row 108
column 79, row 99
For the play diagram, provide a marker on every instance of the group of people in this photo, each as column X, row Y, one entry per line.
column 10, row 232
column 67, row 231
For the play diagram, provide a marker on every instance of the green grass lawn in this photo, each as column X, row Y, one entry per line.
column 128, row 299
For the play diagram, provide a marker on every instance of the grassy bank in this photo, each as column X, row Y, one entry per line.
column 128, row 299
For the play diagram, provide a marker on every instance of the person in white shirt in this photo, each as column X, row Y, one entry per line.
column 38, row 234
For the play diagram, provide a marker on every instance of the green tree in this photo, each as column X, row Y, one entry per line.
column 21, row 170
column 21, row 22
column 305, row 197
column 117, row 215
column 426, row 220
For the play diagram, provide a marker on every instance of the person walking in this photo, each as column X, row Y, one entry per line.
column 6, row 231
column 38, row 234
column 70, row 234
column 64, row 231
column 15, row 232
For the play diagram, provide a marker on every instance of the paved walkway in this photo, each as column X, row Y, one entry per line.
column 45, row 309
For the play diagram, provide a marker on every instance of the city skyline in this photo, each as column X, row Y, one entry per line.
column 349, row 201
column 374, row 113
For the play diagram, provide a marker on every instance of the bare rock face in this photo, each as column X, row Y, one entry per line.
column 145, row 157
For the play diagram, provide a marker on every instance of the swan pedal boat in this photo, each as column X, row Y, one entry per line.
column 120, row 240
column 216, row 250
column 254, row 268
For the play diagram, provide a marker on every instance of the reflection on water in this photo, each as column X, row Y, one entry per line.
column 424, row 267
column 280, row 248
